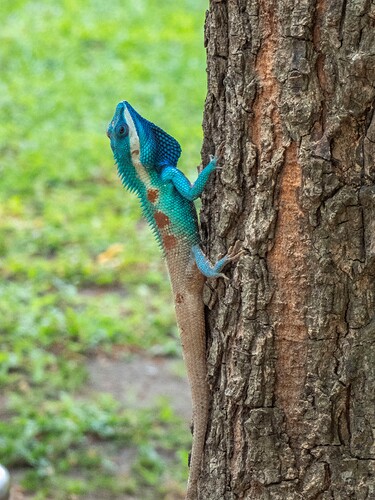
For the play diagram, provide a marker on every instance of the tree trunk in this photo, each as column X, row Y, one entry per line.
column 291, row 88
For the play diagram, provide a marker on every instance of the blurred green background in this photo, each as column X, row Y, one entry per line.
column 81, row 275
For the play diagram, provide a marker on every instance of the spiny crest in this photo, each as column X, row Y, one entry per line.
column 167, row 149
column 128, row 177
column 131, row 182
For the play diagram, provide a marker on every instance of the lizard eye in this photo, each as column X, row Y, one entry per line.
column 123, row 130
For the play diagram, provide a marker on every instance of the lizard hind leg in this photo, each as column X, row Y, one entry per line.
column 214, row 271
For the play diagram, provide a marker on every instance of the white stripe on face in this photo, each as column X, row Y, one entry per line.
column 135, row 149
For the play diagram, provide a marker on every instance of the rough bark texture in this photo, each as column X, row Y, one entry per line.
column 291, row 89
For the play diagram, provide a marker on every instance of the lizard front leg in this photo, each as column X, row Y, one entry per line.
column 189, row 191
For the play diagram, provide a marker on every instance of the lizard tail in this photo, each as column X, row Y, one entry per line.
column 190, row 318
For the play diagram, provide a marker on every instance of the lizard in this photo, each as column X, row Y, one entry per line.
column 146, row 159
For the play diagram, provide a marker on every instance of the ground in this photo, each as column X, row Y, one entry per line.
column 136, row 382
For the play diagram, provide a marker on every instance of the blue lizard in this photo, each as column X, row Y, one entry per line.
column 146, row 158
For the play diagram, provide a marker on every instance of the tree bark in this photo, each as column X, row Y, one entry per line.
column 291, row 89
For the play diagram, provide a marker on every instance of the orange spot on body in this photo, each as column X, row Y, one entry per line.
column 161, row 219
column 179, row 298
column 152, row 195
column 135, row 152
column 169, row 241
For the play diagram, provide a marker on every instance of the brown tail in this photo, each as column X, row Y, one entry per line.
column 190, row 318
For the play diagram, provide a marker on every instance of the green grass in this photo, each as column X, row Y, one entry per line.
column 77, row 264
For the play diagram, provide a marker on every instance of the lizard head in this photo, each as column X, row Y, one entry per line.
column 133, row 137
column 118, row 134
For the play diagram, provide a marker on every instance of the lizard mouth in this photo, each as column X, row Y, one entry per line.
column 110, row 129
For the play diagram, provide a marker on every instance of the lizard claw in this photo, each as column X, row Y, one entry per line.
column 218, row 153
column 235, row 251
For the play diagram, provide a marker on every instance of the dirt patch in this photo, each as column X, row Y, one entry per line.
column 140, row 381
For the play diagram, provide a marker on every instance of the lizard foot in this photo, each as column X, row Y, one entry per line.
column 234, row 253
column 210, row 271
column 218, row 153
